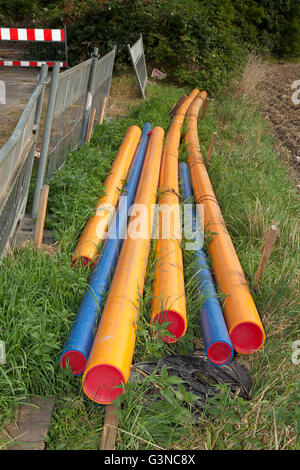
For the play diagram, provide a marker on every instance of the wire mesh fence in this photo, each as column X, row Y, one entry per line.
column 68, row 113
column 72, row 95
column 16, row 161
column 72, row 101
column 137, row 56
column 102, row 81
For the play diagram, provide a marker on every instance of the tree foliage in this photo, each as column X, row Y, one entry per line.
column 194, row 41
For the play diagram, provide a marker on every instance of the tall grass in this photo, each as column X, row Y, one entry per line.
column 40, row 294
column 253, row 190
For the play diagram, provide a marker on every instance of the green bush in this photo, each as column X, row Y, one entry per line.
column 197, row 42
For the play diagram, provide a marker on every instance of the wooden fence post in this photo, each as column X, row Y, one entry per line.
column 109, row 428
column 91, row 125
column 266, row 254
column 41, row 215
column 211, row 147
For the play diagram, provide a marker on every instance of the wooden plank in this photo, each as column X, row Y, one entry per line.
column 102, row 112
column 176, row 105
column 41, row 215
column 109, row 428
column 91, row 125
column 270, row 240
column 211, row 147
column 32, row 426
column 204, row 109
column 26, row 231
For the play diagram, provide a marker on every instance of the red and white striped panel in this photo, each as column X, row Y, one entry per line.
column 26, row 63
column 29, row 34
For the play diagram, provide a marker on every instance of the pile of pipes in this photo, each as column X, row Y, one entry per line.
column 102, row 339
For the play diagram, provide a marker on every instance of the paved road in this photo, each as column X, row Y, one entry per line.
column 19, row 85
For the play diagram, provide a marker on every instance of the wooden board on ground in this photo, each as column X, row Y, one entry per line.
column 32, row 425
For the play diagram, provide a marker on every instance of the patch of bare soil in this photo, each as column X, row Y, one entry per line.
column 124, row 94
column 281, row 112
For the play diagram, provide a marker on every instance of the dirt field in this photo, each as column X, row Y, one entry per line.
column 19, row 84
column 282, row 114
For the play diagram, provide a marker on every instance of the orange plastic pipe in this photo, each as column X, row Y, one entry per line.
column 242, row 319
column 111, row 355
column 169, row 305
column 95, row 229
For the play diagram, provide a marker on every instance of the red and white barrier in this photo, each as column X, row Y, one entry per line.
column 26, row 63
column 30, row 34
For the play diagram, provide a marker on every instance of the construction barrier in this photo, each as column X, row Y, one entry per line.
column 25, row 47
column 244, row 325
column 137, row 55
column 78, row 345
column 169, row 304
column 110, row 359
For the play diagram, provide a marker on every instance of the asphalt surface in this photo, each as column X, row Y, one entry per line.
column 19, row 84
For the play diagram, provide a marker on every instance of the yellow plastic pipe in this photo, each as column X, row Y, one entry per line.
column 111, row 355
column 242, row 319
column 94, row 231
column 169, row 305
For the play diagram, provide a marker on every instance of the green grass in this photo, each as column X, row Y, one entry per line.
column 40, row 294
column 254, row 191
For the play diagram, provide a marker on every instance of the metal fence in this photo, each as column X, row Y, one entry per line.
column 102, row 81
column 16, row 162
column 72, row 95
column 137, row 56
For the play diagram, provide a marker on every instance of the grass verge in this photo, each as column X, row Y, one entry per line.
column 40, row 294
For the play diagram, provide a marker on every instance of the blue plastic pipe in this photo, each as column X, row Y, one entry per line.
column 78, row 345
column 217, row 343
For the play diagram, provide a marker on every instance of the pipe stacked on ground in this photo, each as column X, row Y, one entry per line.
column 110, row 359
column 243, row 322
column 87, row 248
column 78, row 345
column 169, row 304
column 215, row 335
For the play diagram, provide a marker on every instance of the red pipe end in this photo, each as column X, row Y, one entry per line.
column 219, row 353
column 75, row 359
column 247, row 337
column 84, row 262
column 176, row 326
column 103, row 383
